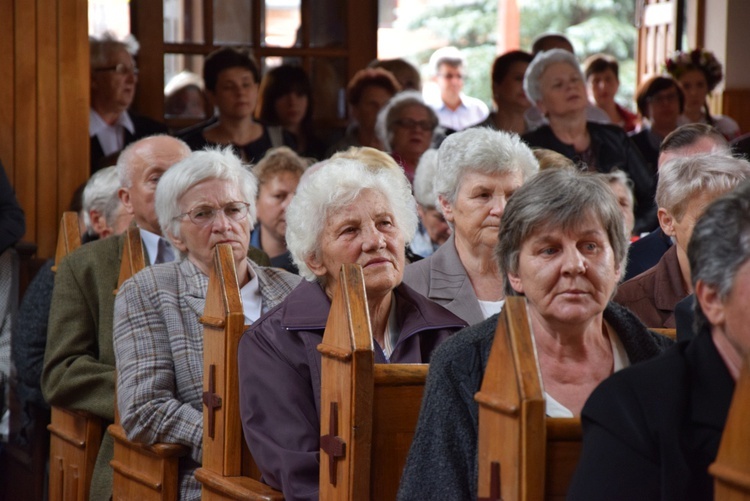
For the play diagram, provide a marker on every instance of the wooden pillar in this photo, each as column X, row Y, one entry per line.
column 44, row 102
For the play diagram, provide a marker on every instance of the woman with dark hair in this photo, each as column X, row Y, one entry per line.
column 603, row 81
column 286, row 100
column 660, row 101
column 699, row 72
column 231, row 77
column 511, row 102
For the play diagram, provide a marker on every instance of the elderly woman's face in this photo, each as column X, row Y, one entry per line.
column 479, row 204
column 365, row 232
column 563, row 90
column 412, row 131
column 273, row 198
column 625, row 201
column 198, row 240
column 567, row 276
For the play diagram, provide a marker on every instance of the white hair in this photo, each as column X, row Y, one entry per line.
column 391, row 112
column 102, row 49
column 101, row 195
column 144, row 150
column 542, row 61
column 484, row 150
column 336, row 184
column 199, row 166
column 424, row 179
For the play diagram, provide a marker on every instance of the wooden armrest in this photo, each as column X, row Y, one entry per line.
column 162, row 450
column 74, row 427
column 237, row 487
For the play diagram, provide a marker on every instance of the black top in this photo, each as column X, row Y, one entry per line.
column 644, row 253
column 251, row 152
column 12, row 220
column 611, row 148
column 143, row 126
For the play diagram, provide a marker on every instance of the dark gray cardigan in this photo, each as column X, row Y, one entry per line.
column 442, row 462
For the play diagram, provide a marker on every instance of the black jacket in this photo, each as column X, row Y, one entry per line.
column 612, row 149
column 144, row 127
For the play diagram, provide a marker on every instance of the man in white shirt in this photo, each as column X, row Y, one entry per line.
column 114, row 76
column 454, row 109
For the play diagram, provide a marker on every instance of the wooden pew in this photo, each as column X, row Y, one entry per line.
column 228, row 471
column 731, row 470
column 75, row 436
column 368, row 411
column 143, row 472
column 670, row 333
column 523, row 454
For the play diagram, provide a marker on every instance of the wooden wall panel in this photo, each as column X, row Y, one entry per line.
column 44, row 108
column 736, row 104
column 7, row 87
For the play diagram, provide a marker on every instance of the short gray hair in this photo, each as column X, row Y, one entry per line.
column 557, row 198
column 101, row 194
column 484, row 150
column 211, row 163
column 424, row 179
column 618, row 176
column 542, row 61
column 720, row 244
column 391, row 112
column 101, row 49
column 334, row 185
column 144, row 150
column 682, row 178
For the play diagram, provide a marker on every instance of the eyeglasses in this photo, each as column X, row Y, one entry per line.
column 408, row 123
column 120, row 69
column 205, row 215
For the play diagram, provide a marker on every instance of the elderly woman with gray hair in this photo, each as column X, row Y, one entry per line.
column 555, row 83
column 206, row 199
column 686, row 187
column 561, row 245
column 478, row 170
column 345, row 212
column 406, row 126
column 433, row 229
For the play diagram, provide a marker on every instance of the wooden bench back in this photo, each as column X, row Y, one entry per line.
column 368, row 411
column 75, row 436
column 228, row 469
column 523, row 454
column 731, row 470
column 133, row 255
column 670, row 333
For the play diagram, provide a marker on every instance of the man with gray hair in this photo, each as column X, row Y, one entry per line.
column 103, row 212
column 651, row 430
column 455, row 109
column 114, row 76
column 79, row 361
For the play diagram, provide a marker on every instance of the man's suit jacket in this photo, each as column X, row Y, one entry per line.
column 442, row 278
column 158, row 342
column 79, row 362
column 143, row 126
column 651, row 430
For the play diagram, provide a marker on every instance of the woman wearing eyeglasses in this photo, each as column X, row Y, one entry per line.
column 406, row 126
column 204, row 200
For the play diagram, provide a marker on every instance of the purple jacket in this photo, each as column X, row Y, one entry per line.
column 279, row 368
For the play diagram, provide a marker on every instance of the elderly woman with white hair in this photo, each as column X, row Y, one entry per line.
column 562, row 247
column 406, row 126
column 103, row 212
column 206, row 199
column 686, row 187
column 433, row 229
column 345, row 212
column 555, row 83
column 478, row 170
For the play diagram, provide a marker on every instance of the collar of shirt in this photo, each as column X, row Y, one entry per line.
column 251, row 300
column 110, row 136
column 151, row 242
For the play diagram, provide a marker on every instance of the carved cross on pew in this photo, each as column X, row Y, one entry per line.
column 494, row 483
column 211, row 400
column 332, row 444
